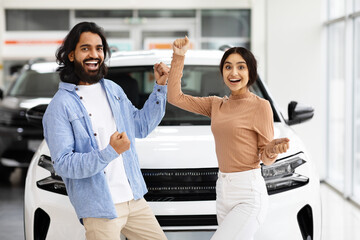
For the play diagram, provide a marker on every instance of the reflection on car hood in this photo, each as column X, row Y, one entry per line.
column 192, row 146
column 22, row 102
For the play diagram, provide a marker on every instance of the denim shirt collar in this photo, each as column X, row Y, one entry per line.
column 71, row 87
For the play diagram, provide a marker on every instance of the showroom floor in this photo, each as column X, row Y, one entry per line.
column 341, row 219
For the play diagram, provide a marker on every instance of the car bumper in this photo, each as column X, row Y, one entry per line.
column 281, row 215
column 180, row 217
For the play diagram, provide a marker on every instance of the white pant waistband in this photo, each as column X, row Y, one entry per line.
column 241, row 175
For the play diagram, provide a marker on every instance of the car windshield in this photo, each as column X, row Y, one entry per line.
column 138, row 83
column 32, row 83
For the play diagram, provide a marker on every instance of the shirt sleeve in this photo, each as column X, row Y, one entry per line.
column 264, row 125
column 60, row 132
column 200, row 105
column 149, row 117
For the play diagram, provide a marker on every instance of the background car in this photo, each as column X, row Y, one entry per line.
column 179, row 164
column 19, row 139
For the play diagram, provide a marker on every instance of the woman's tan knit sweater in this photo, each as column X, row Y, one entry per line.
column 242, row 125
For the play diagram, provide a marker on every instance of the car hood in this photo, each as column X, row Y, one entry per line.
column 193, row 146
column 22, row 102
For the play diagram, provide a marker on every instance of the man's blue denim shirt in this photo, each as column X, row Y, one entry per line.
column 75, row 152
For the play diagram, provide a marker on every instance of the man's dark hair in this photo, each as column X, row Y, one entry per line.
column 249, row 59
column 67, row 73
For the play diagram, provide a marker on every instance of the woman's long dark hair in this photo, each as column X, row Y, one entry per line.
column 67, row 73
column 249, row 59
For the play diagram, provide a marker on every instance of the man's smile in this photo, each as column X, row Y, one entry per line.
column 91, row 65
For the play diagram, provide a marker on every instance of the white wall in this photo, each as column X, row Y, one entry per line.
column 295, row 66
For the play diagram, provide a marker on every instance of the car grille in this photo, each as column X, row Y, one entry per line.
column 180, row 184
column 187, row 220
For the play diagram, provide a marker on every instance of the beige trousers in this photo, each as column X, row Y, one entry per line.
column 135, row 220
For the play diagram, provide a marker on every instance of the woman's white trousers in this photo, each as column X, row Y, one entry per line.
column 241, row 204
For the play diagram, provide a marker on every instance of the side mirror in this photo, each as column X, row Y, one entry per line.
column 299, row 113
column 35, row 114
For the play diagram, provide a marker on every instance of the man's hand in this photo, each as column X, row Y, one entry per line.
column 279, row 145
column 161, row 72
column 181, row 45
column 120, row 142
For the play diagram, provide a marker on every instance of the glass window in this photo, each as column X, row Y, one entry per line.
column 37, row 20
column 103, row 13
column 163, row 34
column 225, row 23
column 167, row 13
column 138, row 82
column 117, row 34
column 336, row 113
column 33, row 83
column 218, row 44
column 357, row 5
column 357, row 111
column 336, row 8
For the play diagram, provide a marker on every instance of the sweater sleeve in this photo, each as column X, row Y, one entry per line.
column 200, row 105
column 264, row 125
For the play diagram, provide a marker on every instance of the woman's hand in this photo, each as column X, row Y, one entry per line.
column 161, row 72
column 181, row 45
column 276, row 146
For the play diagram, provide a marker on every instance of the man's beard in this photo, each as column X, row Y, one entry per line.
column 92, row 78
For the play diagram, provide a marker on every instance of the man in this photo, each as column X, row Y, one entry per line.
column 90, row 127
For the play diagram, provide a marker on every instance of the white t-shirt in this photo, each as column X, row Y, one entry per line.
column 96, row 103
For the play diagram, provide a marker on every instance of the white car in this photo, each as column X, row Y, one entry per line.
column 179, row 163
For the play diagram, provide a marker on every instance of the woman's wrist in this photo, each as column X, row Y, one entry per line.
column 179, row 54
column 269, row 154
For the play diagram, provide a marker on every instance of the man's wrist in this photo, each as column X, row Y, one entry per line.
column 161, row 84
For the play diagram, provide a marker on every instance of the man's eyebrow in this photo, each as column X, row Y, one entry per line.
column 88, row 45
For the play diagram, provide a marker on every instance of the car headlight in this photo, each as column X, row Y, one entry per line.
column 281, row 175
column 54, row 182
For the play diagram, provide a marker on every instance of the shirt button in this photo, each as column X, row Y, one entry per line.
column 95, row 134
column 90, row 114
column 158, row 90
column 76, row 89
column 81, row 97
column 157, row 102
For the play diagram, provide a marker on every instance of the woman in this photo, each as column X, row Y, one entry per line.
column 242, row 125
